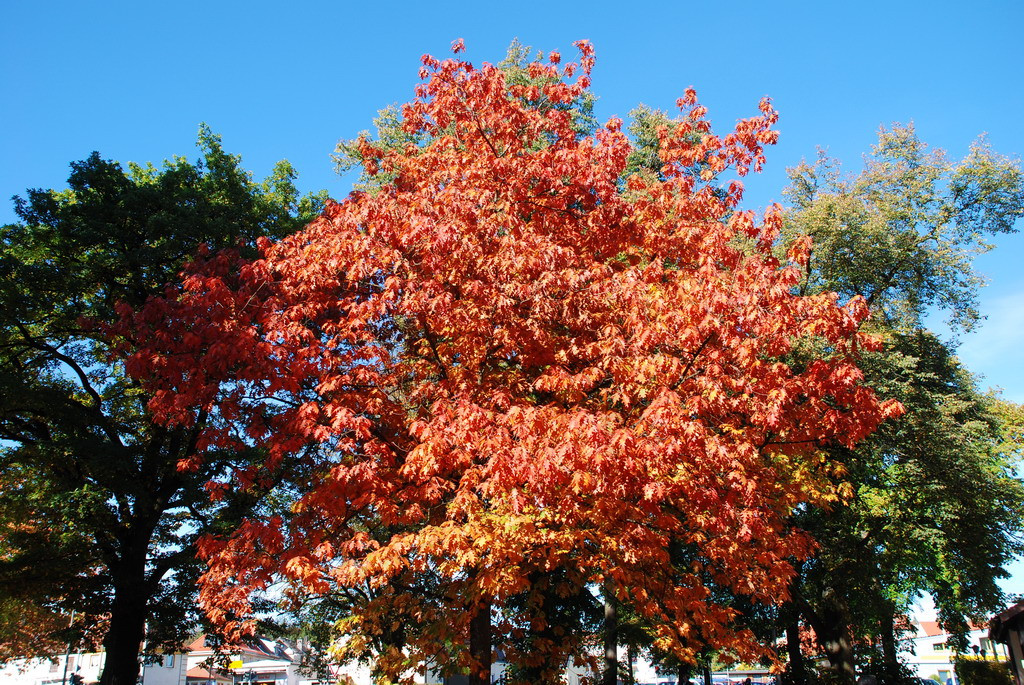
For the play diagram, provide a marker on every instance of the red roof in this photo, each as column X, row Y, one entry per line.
column 252, row 647
column 933, row 629
column 200, row 673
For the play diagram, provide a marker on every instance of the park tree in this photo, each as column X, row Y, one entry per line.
column 97, row 521
column 936, row 505
column 533, row 376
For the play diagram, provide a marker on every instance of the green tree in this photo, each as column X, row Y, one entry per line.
column 903, row 232
column 934, row 502
column 98, row 514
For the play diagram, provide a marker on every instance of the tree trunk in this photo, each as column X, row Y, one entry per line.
column 480, row 645
column 630, row 680
column 796, row 670
column 890, row 660
column 839, row 651
column 683, row 675
column 834, row 638
column 707, row 673
column 831, row 623
column 611, row 636
column 133, row 588
column 123, row 640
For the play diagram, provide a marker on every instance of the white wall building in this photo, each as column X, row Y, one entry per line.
column 932, row 656
column 170, row 670
column 258, row 661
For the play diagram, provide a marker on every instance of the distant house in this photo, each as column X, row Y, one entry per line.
column 256, row 661
column 259, row 661
column 168, row 670
column 933, row 656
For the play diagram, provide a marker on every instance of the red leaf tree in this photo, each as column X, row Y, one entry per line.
column 507, row 363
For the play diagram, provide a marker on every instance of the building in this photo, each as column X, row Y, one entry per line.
column 1007, row 628
column 256, row 661
column 169, row 670
column 259, row 661
column 932, row 657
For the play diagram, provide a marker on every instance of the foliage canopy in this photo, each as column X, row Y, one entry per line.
column 506, row 368
column 95, row 516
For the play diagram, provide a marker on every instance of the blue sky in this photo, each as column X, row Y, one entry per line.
column 133, row 80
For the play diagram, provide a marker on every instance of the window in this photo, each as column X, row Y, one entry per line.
column 168, row 661
column 939, row 647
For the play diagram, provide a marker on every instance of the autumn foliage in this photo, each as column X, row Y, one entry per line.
column 508, row 363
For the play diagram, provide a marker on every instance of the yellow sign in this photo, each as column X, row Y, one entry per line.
column 237, row 663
